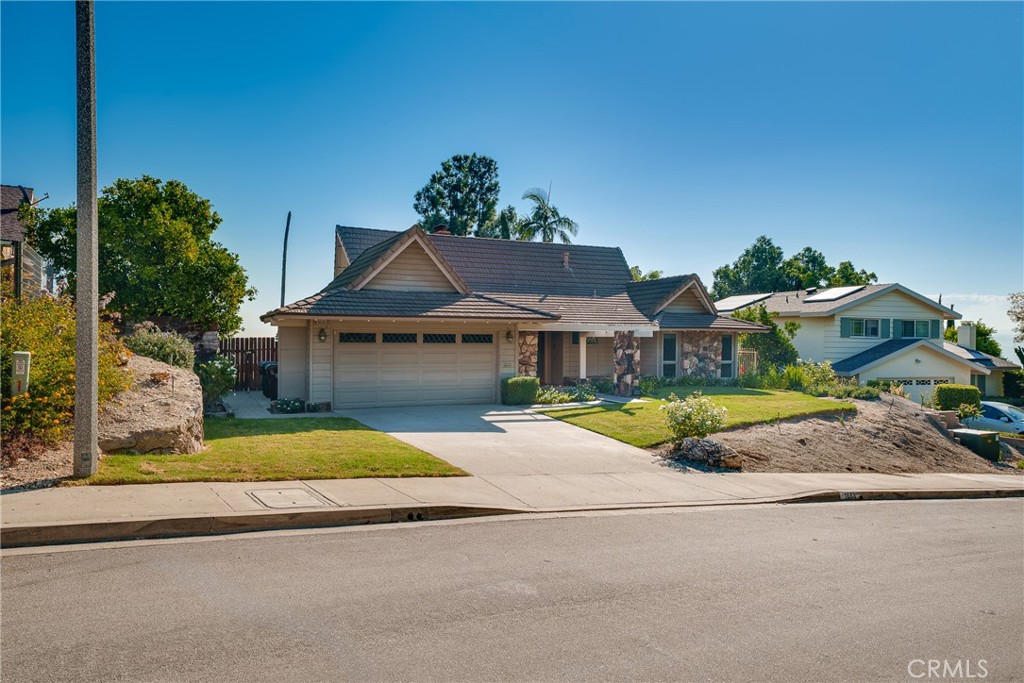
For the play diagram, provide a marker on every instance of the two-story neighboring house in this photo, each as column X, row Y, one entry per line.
column 27, row 271
column 887, row 332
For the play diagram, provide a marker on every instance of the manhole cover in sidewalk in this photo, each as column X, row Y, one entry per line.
column 287, row 498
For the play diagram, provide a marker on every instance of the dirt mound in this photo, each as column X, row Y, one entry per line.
column 890, row 435
column 161, row 413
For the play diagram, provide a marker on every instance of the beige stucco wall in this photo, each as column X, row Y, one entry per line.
column 810, row 338
column 994, row 384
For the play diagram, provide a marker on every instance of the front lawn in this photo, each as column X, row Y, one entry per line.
column 643, row 425
column 281, row 449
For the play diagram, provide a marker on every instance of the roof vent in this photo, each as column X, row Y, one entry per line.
column 811, row 290
column 442, row 230
column 565, row 260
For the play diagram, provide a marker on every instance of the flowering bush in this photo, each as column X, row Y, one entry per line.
column 168, row 347
column 551, row 395
column 966, row 411
column 217, row 376
column 45, row 327
column 695, row 416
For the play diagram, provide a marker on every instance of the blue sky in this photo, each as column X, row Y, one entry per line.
column 883, row 133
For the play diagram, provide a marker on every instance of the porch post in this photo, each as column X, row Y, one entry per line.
column 583, row 355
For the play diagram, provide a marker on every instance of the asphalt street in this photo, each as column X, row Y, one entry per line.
column 822, row 592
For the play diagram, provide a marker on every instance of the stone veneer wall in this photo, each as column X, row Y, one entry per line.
column 626, row 363
column 701, row 354
column 528, row 342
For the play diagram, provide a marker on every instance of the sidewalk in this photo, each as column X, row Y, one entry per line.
column 88, row 513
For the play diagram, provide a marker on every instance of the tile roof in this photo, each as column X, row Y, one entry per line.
column 981, row 358
column 509, row 279
column 706, row 321
column 648, row 295
column 387, row 304
column 12, row 197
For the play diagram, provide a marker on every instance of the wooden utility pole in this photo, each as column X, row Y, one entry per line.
column 86, row 276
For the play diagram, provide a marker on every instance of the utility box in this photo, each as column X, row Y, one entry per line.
column 19, row 372
column 985, row 444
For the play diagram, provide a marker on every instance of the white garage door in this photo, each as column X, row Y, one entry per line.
column 919, row 387
column 400, row 369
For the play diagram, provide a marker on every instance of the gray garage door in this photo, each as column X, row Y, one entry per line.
column 399, row 369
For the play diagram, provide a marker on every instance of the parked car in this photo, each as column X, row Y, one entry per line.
column 998, row 417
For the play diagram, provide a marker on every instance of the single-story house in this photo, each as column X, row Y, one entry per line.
column 414, row 318
column 884, row 332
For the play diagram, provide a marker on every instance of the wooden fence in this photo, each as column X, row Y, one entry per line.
column 247, row 352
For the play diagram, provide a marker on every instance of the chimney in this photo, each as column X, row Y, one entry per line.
column 442, row 230
column 967, row 336
column 565, row 260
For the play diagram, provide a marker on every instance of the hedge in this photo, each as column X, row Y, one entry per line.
column 951, row 396
column 519, row 390
column 1013, row 384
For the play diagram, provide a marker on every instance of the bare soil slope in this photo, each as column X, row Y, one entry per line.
column 890, row 436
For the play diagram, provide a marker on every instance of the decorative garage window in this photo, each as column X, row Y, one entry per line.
column 942, row 381
column 478, row 339
column 399, row 337
column 923, row 382
column 439, row 339
column 591, row 341
column 358, row 337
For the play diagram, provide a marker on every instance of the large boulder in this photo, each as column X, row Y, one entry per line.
column 161, row 413
column 708, row 452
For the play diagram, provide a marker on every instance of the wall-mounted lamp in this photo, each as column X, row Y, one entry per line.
column 322, row 335
column 508, row 336
column 917, row 360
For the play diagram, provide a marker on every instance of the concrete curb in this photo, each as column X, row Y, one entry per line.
column 19, row 536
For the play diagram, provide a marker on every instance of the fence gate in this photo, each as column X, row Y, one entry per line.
column 247, row 352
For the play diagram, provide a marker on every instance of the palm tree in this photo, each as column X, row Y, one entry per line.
column 545, row 220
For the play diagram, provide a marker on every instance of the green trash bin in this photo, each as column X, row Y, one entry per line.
column 984, row 443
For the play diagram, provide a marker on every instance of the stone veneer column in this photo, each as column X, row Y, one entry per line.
column 528, row 354
column 626, row 368
column 701, row 354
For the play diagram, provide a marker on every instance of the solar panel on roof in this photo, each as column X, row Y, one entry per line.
column 833, row 294
column 734, row 302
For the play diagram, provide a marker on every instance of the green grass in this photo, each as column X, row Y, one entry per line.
column 268, row 450
column 643, row 425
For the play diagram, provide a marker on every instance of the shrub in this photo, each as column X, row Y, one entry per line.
column 288, row 405
column 169, row 347
column 517, row 391
column 551, row 395
column 217, row 377
column 602, row 385
column 45, row 326
column 695, row 416
column 775, row 347
column 793, row 377
column 649, row 384
column 1013, row 384
column 966, row 411
column 950, row 396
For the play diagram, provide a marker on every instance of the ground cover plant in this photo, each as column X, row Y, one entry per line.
column 283, row 449
column 644, row 424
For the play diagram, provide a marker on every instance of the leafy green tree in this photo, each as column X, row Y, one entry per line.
column 846, row 275
column 762, row 268
column 641, row 276
column 462, row 195
column 545, row 220
column 758, row 269
column 807, row 269
column 157, row 253
column 504, row 226
column 985, row 341
column 774, row 348
column 1016, row 314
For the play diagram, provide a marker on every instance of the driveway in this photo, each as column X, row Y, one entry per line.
column 487, row 440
